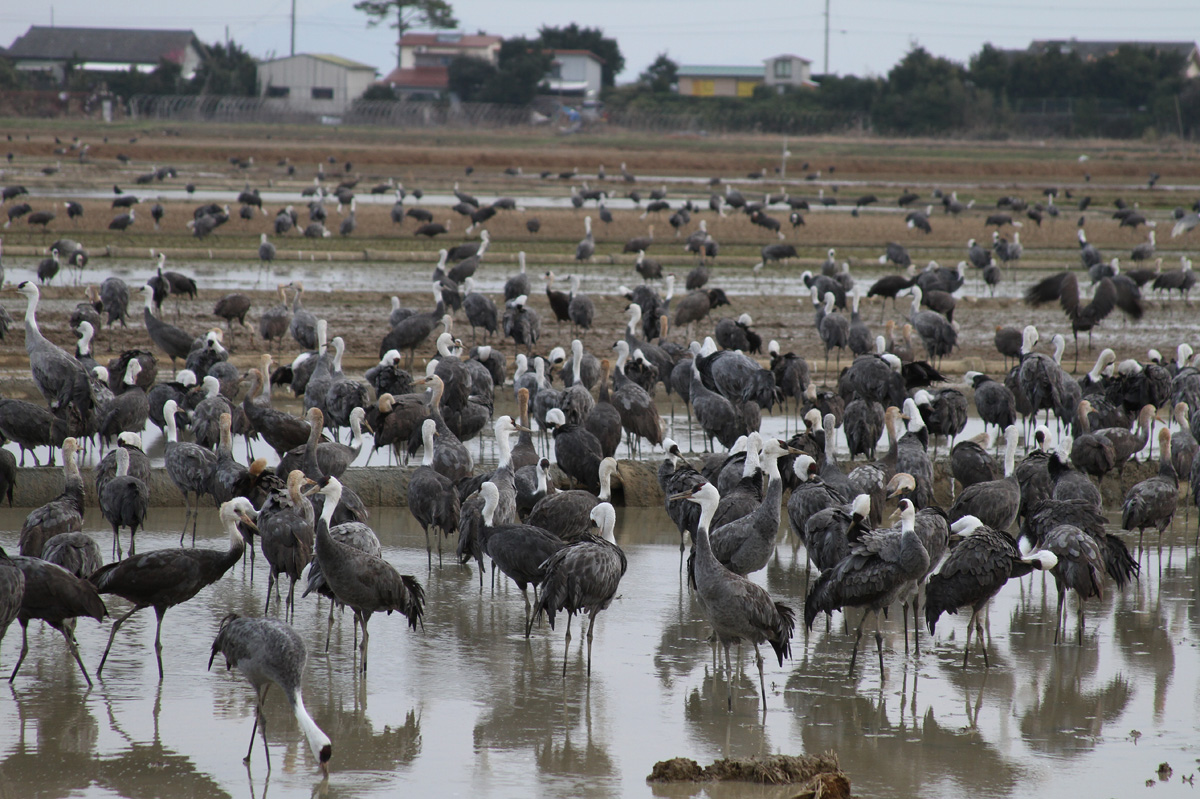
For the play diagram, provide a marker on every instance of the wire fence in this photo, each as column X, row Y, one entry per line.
column 1054, row 117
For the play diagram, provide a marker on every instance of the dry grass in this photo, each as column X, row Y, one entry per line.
column 821, row 774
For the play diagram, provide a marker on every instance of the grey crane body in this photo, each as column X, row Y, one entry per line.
column 12, row 589
column 583, row 577
column 746, row 545
column 432, row 499
column 285, row 531
column 1153, row 501
column 57, row 597
column 994, row 502
column 882, row 567
column 63, row 514
column 176, row 343
column 165, row 578
column 189, row 466
column 269, row 651
column 61, row 379
column 365, row 583
column 567, row 514
column 974, row 572
column 517, row 550
column 124, row 501
column 737, row 609
column 78, row 553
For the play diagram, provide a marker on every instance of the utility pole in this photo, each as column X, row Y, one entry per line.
column 293, row 51
column 826, row 37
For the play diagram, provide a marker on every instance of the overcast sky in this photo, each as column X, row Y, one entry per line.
column 866, row 36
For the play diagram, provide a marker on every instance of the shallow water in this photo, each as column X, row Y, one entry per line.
column 469, row 707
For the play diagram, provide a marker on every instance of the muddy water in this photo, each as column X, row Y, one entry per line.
column 469, row 707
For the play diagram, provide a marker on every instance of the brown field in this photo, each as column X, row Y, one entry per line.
column 433, row 160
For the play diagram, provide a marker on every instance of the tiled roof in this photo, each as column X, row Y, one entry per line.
column 111, row 45
column 419, row 78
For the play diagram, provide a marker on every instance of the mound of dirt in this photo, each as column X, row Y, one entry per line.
column 819, row 776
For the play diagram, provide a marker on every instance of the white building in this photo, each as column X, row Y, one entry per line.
column 788, row 70
column 574, row 73
column 314, row 82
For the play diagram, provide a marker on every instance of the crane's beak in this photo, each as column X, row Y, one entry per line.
column 521, row 428
column 793, row 451
column 316, row 489
column 684, row 495
column 245, row 519
column 367, row 426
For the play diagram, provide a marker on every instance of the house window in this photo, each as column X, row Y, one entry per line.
column 704, row 88
column 745, row 88
column 319, row 93
column 783, row 69
column 278, row 91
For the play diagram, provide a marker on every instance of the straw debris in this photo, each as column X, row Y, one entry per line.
column 821, row 776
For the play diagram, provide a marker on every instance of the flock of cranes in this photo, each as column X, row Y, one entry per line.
column 1008, row 517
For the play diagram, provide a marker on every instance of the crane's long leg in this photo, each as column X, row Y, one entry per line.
column 879, row 643
column 904, row 611
column 1058, row 614
column 270, row 584
column 591, row 625
column 762, row 683
column 329, row 625
column 916, row 623
column 258, row 700
column 291, row 599
column 24, row 650
column 116, row 626
column 857, row 638
column 74, row 647
column 982, row 642
column 728, row 678
column 187, row 514
column 158, row 640
column 362, row 618
column 528, row 612
column 967, row 649
column 567, row 646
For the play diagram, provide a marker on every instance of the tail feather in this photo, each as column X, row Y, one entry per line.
column 414, row 609
column 822, row 598
column 782, row 642
column 1118, row 561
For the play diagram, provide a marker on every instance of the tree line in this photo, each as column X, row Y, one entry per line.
column 1133, row 91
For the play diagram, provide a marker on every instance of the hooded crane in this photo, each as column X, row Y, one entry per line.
column 285, row 531
column 363, row 582
column 432, row 499
column 57, row 597
column 61, row 379
column 269, row 651
column 994, row 502
column 1109, row 294
column 881, row 568
column 165, row 578
column 937, row 334
column 1152, row 502
column 517, row 550
column 190, row 468
column 63, row 514
column 176, row 343
column 124, row 501
column 737, row 609
column 583, row 577
column 974, row 572
column 745, row 545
